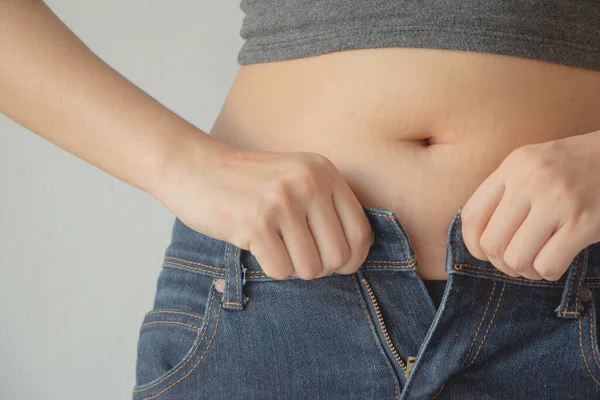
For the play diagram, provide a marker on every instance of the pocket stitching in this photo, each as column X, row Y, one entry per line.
column 191, row 356
column 172, row 323
column 195, row 365
column 581, row 346
column 173, row 312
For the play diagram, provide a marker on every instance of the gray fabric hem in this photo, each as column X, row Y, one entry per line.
column 544, row 49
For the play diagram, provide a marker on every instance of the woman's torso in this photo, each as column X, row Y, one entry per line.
column 370, row 110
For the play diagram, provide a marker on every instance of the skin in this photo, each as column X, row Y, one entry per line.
column 293, row 210
column 300, row 145
column 417, row 131
column 539, row 209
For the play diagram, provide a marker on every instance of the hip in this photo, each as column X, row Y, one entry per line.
column 221, row 329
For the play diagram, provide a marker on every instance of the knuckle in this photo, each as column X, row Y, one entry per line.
column 278, row 198
column 349, row 268
column 362, row 234
column 320, row 159
column 307, row 272
column 261, row 224
column 340, row 258
column 548, row 273
column 279, row 274
column 491, row 247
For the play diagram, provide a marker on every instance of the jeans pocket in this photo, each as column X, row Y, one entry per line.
column 176, row 334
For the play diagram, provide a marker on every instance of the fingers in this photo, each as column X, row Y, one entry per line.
column 328, row 234
column 270, row 250
column 301, row 245
column 508, row 216
column 476, row 213
column 527, row 241
column 558, row 252
column 356, row 226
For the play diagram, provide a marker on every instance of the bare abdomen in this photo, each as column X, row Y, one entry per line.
column 412, row 130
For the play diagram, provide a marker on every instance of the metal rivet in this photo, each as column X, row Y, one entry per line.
column 220, row 285
column 457, row 267
column 586, row 295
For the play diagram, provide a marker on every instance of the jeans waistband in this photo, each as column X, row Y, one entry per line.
column 390, row 251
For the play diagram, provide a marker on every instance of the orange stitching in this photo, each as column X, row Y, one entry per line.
column 583, row 271
column 563, row 312
column 592, row 338
column 238, row 271
column 193, row 268
column 391, row 261
column 387, row 266
column 173, row 312
column 435, row 396
column 390, row 218
column 377, row 343
column 480, row 323
column 195, row 263
column 212, row 296
column 583, row 353
column 489, row 326
column 382, row 325
column 397, row 264
column 460, row 266
column 232, row 302
column 376, row 213
column 171, row 322
column 195, row 365
column 571, row 284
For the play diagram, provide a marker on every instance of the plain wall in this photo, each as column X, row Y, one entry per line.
column 80, row 251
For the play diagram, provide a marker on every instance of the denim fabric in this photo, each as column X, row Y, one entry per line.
column 221, row 329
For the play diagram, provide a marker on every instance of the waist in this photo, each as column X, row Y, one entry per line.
column 414, row 131
column 401, row 95
column 391, row 251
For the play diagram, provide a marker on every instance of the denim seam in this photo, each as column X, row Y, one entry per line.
column 409, row 259
column 194, row 268
column 379, row 264
column 391, row 219
column 460, row 267
column 200, row 341
column 171, row 322
column 195, row 263
column 427, row 340
column 580, row 324
column 195, row 365
column 576, row 264
column 489, row 326
column 173, row 312
column 592, row 339
column 479, row 326
column 382, row 325
column 437, row 394
column 378, row 344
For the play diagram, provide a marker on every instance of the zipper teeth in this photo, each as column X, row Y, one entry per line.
column 383, row 328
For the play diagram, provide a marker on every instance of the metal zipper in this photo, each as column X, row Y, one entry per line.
column 410, row 360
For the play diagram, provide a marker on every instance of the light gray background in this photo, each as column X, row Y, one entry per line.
column 80, row 251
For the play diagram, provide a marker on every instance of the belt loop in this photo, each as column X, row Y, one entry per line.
column 570, row 304
column 235, row 277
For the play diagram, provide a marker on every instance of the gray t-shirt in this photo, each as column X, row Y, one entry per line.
column 558, row 31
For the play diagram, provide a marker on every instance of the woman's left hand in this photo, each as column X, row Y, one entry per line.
column 538, row 209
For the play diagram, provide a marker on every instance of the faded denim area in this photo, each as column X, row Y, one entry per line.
column 221, row 329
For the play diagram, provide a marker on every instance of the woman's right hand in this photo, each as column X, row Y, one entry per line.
column 293, row 211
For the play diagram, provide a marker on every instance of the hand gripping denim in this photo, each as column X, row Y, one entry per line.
column 222, row 329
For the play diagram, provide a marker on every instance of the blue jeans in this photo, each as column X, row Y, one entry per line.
column 221, row 329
